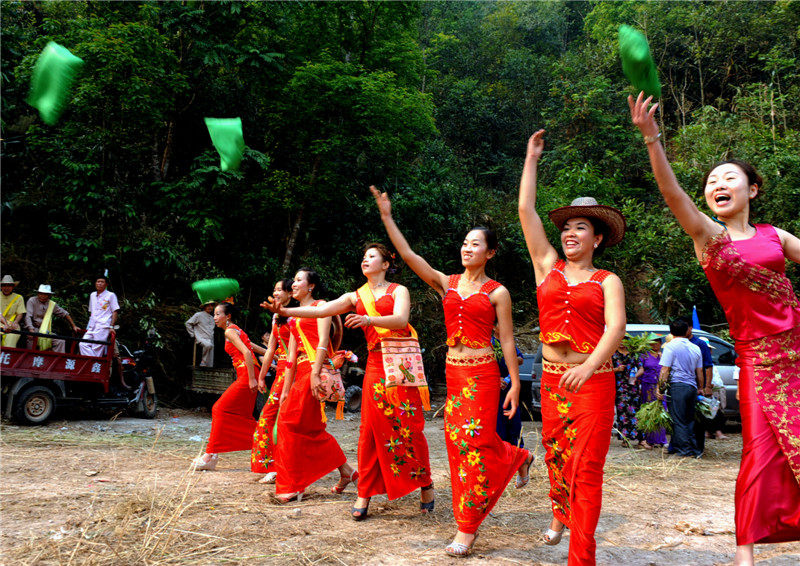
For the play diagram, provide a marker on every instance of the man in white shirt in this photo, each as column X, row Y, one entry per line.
column 682, row 364
column 201, row 328
column 103, row 312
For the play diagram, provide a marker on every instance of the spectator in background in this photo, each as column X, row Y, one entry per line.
column 103, row 312
column 12, row 307
column 682, row 366
column 627, row 398
column 704, row 387
column 649, row 368
column 39, row 318
column 201, row 328
column 507, row 429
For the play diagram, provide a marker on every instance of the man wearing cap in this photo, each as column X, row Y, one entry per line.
column 103, row 313
column 39, row 318
column 12, row 307
column 201, row 328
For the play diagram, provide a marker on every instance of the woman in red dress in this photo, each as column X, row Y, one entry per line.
column 745, row 264
column 392, row 448
column 582, row 320
column 481, row 464
column 306, row 451
column 262, row 456
column 232, row 422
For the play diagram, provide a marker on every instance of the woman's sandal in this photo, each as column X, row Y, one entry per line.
column 352, row 478
column 289, row 497
column 269, row 478
column 522, row 481
column 426, row 506
column 552, row 537
column 362, row 512
column 459, row 549
column 199, row 464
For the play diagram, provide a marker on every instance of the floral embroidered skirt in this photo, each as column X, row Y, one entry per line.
column 576, row 433
column 232, row 422
column 627, row 403
column 768, row 485
column 306, row 451
column 481, row 464
column 262, row 455
column 392, row 448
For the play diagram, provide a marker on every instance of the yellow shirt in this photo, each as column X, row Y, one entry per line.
column 17, row 307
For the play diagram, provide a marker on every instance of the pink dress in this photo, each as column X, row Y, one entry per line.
column 763, row 312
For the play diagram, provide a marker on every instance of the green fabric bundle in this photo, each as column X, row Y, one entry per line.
column 215, row 289
column 226, row 135
column 51, row 80
column 637, row 62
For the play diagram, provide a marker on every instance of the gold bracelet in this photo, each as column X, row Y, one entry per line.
column 651, row 139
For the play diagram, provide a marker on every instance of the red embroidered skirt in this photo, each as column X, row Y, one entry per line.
column 232, row 422
column 306, row 451
column 262, row 455
column 576, row 433
column 481, row 464
column 768, row 488
column 392, row 448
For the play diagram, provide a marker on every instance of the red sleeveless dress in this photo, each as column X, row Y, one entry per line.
column 232, row 422
column 262, row 455
column 392, row 448
column 306, row 451
column 576, row 427
column 763, row 311
column 481, row 464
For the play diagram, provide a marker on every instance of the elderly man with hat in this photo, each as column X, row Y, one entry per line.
column 201, row 328
column 12, row 307
column 39, row 318
column 103, row 313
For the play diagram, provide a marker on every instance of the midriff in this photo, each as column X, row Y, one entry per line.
column 563, row 353
column 460, row 350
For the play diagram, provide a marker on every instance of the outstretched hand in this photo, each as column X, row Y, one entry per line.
column 272, row 305
column 382, row 200
column 643, row 118
column 536, row 144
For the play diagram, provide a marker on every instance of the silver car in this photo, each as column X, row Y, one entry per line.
column 722, row 353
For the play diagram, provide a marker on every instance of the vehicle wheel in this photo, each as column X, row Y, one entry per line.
column 149, row 405
column 34, row 406
column 352, row 399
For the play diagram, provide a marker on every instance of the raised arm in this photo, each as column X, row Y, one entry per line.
column 543, row 254
column 699, row 226
column 343, row 304
column 422, row 268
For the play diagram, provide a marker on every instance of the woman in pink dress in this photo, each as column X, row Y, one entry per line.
column 745, row 264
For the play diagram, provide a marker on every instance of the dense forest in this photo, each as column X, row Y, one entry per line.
column 431, row 101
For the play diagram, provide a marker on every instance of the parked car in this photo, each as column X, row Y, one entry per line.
column 722, row 353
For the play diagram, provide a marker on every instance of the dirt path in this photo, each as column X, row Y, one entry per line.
column 121, row 492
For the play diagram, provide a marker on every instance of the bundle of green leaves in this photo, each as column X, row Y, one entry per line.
column 651, row 417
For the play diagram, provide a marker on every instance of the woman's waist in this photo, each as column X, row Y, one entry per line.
column 470, row 357
column 559, row 367
column 564, row 352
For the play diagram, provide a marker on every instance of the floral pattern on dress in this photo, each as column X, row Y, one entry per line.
column 262, row 454
column 628, row 396
column 558, row 451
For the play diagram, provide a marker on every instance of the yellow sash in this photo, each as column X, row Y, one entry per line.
column 312, row 357
column 10, row 340
column 368, row 299
column 47, row 323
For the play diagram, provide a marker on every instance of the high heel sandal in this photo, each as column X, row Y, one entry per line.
column 522, row 481
column 552, row 537
column 352, row 478
column 362, row 512
column 210, row 465
column 289, row 497
column 459, row 549
column 269, row 478
column 426, row 506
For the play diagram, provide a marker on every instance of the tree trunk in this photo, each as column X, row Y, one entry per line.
column 287, row 259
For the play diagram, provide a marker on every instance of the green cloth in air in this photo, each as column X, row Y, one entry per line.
column 52, row 78
column 227, row 137
column 215, row 289
column 637, row 62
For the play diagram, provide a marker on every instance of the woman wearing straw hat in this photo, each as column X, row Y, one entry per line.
column 745, row 264
column 481, row 463
column 12, row 309
column 582, row 319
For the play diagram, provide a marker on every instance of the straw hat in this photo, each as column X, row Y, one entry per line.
column 588, row 207
column 8, row 280
column 45, row 289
